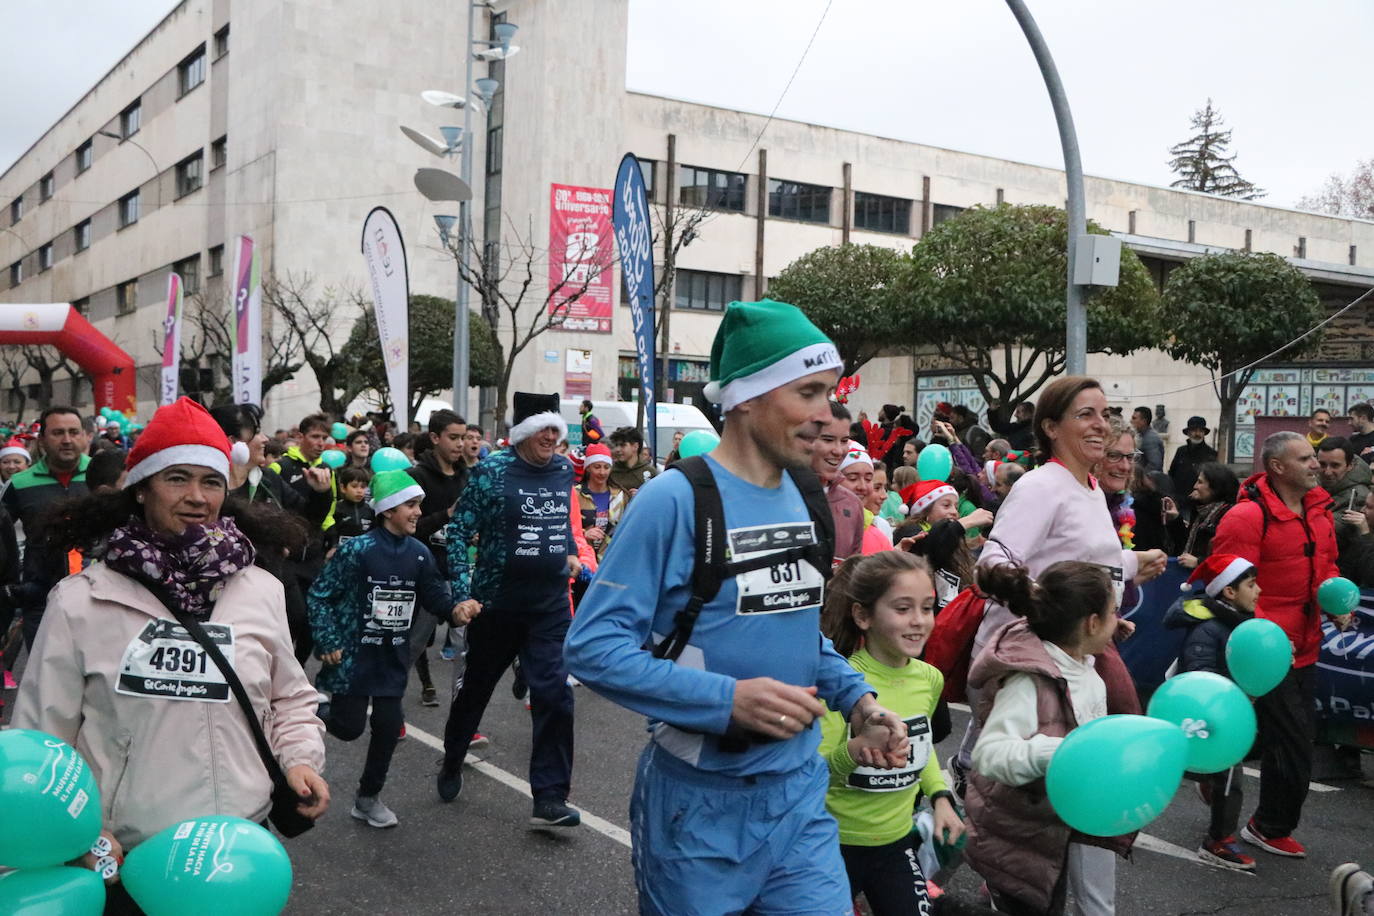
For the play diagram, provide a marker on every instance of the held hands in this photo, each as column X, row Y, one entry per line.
column 881, row 733
column 89, row 860
column 773, row 708
column 318, row 479
column 1152, row 564
column 574, row 567
column 464, row 611
column 312, row 789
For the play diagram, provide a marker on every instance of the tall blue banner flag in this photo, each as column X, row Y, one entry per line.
column 635, row 241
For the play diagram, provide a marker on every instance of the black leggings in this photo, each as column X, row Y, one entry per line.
column 348, row 717
column 888, row 876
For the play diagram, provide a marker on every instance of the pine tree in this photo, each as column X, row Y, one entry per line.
column 1202, row 163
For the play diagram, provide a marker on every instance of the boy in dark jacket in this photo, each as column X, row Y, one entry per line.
column 352, row 515
column 1232, row 590
column 362, row 608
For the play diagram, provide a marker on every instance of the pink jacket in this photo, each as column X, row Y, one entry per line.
column 159, row 760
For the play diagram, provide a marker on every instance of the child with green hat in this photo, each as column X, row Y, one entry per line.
column 361, row 611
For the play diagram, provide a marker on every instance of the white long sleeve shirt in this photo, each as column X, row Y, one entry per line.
column 1009, row 750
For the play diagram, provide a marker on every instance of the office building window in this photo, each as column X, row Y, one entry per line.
column 81, row 235
column 46, row 187
column 126, row 297
column 216, row 260
column 189, row 271
column 45, row 257
column 646, row 168
column 710, row 188
column 191, row 71
column 130, row 119
column 495, row 146
column 794, row 200
column 701, row 289
column 941, row 212
column 16, row 273
column 128, row 209
column 222, row 42
column 877, row 213
column 219, row 153
column 16, row 210
column 83, row 156
column 189, row 173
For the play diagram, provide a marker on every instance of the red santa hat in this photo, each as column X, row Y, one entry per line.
column 921, row 495
column 990, row 470
column 596, row 454
column 180, row 433
column 16, row 447
column 1218, row 571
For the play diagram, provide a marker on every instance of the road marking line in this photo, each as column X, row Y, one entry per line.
column 1249, row 771
column 599, row 824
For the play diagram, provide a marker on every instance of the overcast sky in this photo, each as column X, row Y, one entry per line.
column 1291, row 79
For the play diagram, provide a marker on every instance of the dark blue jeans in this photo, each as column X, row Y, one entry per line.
column 495, row 638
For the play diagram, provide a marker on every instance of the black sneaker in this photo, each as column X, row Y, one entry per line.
column 450, row 782
column 518, row 687
column 429, row 697
column 551, row 813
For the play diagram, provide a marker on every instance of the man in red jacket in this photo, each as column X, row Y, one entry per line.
column 1283, row 525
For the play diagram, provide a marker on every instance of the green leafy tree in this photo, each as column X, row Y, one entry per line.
column 985, row 289
column 848, row 292
column 1201, row 161
column 430, row 327
column 1227, row 311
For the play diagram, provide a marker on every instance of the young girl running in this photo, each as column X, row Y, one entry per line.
column 879, row 612
column 1037, row 683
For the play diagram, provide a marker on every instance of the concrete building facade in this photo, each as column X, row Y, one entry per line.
column 294, row 125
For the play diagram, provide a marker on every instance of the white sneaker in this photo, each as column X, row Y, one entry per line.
column 374, row 811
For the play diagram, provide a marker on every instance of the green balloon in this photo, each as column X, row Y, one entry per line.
column 333, row 458
column 934, row 463
column 339, row 432
column 209, row 866
column 697, row 442
column 1338, row 596
column 1258, row 655
column 389, row 459
column 54, row 891
column 1116, row 774
column 1215, row 715
column 49, row 802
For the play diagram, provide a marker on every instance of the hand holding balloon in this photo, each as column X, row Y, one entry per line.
column 1338, row 596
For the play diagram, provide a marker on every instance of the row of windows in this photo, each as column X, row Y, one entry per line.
column 126, row 293
column 190, row 74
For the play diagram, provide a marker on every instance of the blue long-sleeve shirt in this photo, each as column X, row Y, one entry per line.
column 761, row 624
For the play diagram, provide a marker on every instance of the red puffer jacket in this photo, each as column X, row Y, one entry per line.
column 1294, row 554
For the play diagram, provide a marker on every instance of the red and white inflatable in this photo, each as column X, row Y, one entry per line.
column 59, row 325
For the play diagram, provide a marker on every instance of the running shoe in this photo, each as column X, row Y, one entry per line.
column 518, row 687
column 450, row 782
column 1350, row 888
column 1278, row 845
column 429, row 697
column 447, row 653
column 373, row 810
column 402, row 735
column 551, row 813
column 479, row 740
column 1226, row 853
column 9, row 681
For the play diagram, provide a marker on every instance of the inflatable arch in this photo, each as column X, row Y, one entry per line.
column 59, row 325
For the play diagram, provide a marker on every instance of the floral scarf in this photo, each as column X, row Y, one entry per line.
column 193, row 565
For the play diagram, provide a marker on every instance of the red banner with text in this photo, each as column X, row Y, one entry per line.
column 581, row 250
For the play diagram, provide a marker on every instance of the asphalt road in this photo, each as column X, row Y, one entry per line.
column 478, row 854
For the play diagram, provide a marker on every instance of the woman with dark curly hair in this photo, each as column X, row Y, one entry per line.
column 114, row 673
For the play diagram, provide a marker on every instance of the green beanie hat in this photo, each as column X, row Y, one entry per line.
column 391, row 488
column 764, row 345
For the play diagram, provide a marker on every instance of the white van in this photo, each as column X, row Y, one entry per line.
column 670, row 418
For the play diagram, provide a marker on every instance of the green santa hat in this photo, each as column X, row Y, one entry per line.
column 391, row 488
column 764, row 345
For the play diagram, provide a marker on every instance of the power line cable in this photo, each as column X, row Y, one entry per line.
column 795, row 70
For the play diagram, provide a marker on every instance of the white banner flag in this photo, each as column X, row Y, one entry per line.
column 245, row 298
column 386, row 263
column 171, row 341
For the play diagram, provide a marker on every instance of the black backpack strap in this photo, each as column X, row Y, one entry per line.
column 809, row 485
column 709, row 556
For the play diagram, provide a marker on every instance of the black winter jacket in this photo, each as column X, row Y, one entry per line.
column 1210, row 622
column 441, row 494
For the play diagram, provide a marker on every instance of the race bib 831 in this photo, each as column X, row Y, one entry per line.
column 785, row 586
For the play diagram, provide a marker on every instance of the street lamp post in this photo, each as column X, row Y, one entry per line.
column 157, row 172
column 1076, row 324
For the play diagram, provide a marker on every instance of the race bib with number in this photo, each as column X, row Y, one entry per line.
column 872, row 779
column 787, row 586
column 947, row 586
column 1118, row 578
column 392, row 608
column 165, row 661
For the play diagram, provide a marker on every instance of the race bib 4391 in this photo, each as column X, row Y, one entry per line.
column 165, row 661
